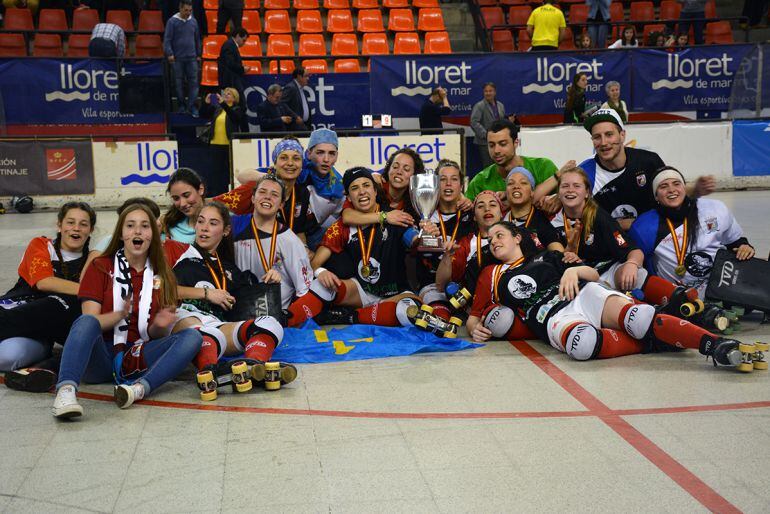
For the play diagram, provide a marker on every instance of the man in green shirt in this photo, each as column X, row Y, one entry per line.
column 501, row 141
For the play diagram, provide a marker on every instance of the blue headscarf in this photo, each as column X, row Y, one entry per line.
column 287, row 145
column 328, row 186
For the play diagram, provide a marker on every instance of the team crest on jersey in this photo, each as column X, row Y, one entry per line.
column 522, row 286
column 712, row 225
column 374, row 271
column 699, row 264
column 384, row 234
column 624, row 211
column 620, row 239
column 641, row 179
column 590, row 239
column 202, row 284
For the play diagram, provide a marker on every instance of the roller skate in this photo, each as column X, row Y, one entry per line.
column 424, row 319
column 242, row 374
column 458, row 296
column 746, row 357
column 685, row 304
column 207, row 384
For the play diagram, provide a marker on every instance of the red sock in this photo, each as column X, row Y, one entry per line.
column 208, row 355
column 658, row 291
column 342, row 290
column 305, row 307
column 678, row 332
column 617, row 344
column 519, row 330
column 382, row 314
column 260, row 347
column 441, row 309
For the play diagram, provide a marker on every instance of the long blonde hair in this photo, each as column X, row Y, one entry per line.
column 167, row 292
column 589, row 211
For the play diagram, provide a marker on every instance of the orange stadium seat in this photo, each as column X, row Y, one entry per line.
column 305, row 4
column 406, row 43
column 336, row 4
column 649, row 29
column 281, row 66
column 309, row 22
column 315, row 66
column 211, row 5
column 422, row 4
column 251, row 5
column 437, row 43
column 711, row 9
column 370, row 20
column 211, row 21
column 212, row 45
column 486, row 3
column 252, row 47
column 47, row 45
column 365, row 4
column 642, row 11
column 13, row 45
column 719, row 32
column 255, row 67
column 276, row 4
column 347, row 66
column 84, row 20
column 77, row 45
column 430, row 20
column 502, row 40
column 395, row 4
column 149, row 45
column 339, row 20
column 523, row 41
column 578, row 13
column 18, row 19
column 312, row 44
column 150, row 21
column 209, row 76
column 52, row 19
column 251, row 22
column 617, row 14
column 277, row 22
column 669, row 10
column 401, row 20
column 344, row 44
column 515, row 2
column 569, row 40
column 121, row 18
column 519, row 14
column 280, row 45
column 493, row 16
column 375, row 43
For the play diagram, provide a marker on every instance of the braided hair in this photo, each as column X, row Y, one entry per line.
column 72, row 274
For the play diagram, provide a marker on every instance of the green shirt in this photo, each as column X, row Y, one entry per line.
column 489, row 178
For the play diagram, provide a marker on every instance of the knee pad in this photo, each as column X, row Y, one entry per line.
column 499, row 320
column 583, row 341
column 321, row 291
column 269, row 325
column 638, row 320
column 215, row 334
column 401, row 307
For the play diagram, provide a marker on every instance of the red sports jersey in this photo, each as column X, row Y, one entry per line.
column 36, row 263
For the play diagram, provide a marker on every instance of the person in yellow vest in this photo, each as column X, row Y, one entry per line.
column 546, row 27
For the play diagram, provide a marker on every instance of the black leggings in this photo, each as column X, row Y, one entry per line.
column 46, row 319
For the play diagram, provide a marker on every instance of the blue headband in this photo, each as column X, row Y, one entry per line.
column 523, row 171
column 287, row 145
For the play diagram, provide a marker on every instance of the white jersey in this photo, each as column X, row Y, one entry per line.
column 326, row 211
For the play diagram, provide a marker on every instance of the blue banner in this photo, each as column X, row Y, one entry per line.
column 59, row 91
column 751, row 148
column 698, row 78
column 311, row 344
column 336, row 100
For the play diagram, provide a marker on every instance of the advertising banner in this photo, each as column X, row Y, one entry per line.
column 751, row 148
column 369, row 151
column 336, row 100
column 698, row 78
column 46, row 168
column 52, row 91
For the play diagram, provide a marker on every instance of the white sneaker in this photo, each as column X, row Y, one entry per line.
column 65, row 405
column 125, row 395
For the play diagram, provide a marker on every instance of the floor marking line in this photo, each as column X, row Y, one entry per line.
column 687, row 480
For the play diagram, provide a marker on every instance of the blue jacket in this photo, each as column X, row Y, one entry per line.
column 182, row 38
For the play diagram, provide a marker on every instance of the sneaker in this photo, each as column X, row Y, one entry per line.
column 724, row 351
column 194, row 112
column 65, row 405
column 126, row 394
column 32, row 380
column 337, row 316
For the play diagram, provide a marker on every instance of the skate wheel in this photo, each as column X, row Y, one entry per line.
column 450, row 334
column 421, row 323
column 412, row 311
column 288, row 374
column 746, row 347
column 209, row 396
column 204, row 377
column 687, row 309
column 721, row 323
column 699, row 305
column 239, row 368
column 762, row 347
column 745, row 367
column 258, row 372
column 273, row 386
column 454, row 320
column 454, row 303
column 465, row 293
column 244, row 386
column 760, row 365
column 426, row 308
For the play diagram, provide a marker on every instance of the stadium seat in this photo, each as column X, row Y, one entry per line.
column 649, row 29
column 502, row 41
column 523, row 41
column 339, row 20
column 277, row 22
column 13, row 45
column 211, row 5
column 212, row 45
column 149, row 46
column 209, row 75
column 370, row 20
column 519, row 14
column 252, row 47
column 669, row 10
column 251, row 22
column 401, row 20
column 617, row 14
column 437, row 43
column 515, row 2
column 395, row 4
column 711, row 9
column 336, row 4
column 642, row 11
column 486, row 3
column 578, row 13
column 365, row 4
column 312, row 44
column 282, row 66
column 430, row 20
column 251, row 5
column 719, row 32
column 77, row 45
column 52, row 19
column 211, row 21
column 493, row 16
column 121, row 18
column 344, row 44
column 423, row 4
column 305, row 4
column 276, row 4
column 314, row 66
column 18, row 19
column 150, row 21
column 280, row 45
column 569, row 40
column 375, row 43
column 406, row 43
column 255, row 67
column 84, row 20
column 347, row 66
column 309, row 22
column 47, row 45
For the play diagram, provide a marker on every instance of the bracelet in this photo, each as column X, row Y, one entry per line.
column 206, row 293
column 318, row 271
column 383, row 218
column 634, row 263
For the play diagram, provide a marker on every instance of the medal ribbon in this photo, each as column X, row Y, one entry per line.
column 366, row 252
column 680, row 251
column 498, row 272
column 259, row 245
column 529, row 217
column 219, row 280
column 290, row 219
column 443, row 228
column 567, row 230
column 478, row 251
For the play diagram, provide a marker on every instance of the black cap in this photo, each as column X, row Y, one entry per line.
column 355, row 173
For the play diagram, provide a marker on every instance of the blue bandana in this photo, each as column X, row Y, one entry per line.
column 328, row 186
column 287, row 145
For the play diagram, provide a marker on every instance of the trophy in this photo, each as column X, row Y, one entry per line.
column 424, row 190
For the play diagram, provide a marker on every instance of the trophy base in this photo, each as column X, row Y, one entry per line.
column 430, row 244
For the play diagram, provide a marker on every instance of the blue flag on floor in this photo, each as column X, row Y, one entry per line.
column 311, row 344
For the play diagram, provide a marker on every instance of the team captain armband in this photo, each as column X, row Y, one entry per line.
column 36, row 263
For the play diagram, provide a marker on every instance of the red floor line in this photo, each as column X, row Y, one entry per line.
column 688, row 481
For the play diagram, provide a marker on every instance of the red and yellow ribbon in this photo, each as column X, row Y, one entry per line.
column 273, row 238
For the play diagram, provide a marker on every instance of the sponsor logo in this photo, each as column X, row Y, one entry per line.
column 522, row 286
column 699, row 264
column 84, row 85
column 684, row 73
column 154, row 164
column 576, row 336
column 308, row 312
column 315, row 95
column 380, row 151
column 641, row 180
column 419, row 79
column 729, row 275
column 624, row 211
column 61, row 164
column 553, row 76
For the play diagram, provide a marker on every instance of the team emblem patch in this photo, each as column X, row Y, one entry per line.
column 372, row 274
column 641, row 180
column 620, row 239
column 522, row 286
column 712, row 225
column 590, row 239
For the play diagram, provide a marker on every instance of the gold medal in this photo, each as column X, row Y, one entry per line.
column 366, row 271
column 680, row 251
column 680, row 270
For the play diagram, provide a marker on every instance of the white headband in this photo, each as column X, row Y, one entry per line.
column 665, row 175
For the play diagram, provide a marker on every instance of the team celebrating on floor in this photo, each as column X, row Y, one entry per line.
column 596, row 259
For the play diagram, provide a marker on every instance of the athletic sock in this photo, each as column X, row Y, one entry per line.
column 617, row 344
column 382, row 314
column 519, row 330
column 208, row 355
column 259, row 342
column 659, row 291
column 678, row 332
column 305, row 307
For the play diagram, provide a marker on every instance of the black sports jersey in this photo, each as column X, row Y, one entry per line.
column 607, row 243
column 543, row 232
column 627, row 192
column 301, row 220
column 467, row 263
column 427, row 263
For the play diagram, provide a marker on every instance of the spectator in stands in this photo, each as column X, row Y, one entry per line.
column 32, row 5
column 484, row 113
column 678, row 42
column 229, row 10
column 691, row 15
column 227, row 117
column 612, row 88
column 546, row 27
column 294, row 96
column 107, row 40
column 575, row 108
column 756, row 12
column 436, row 106
column 275, row 116
column 230, row 65
column 182, row 46
column 628, row 40
column 656, row 40
column 599, row 15
column 585, row 42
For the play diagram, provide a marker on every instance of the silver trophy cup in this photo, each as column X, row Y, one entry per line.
column 423, row 191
